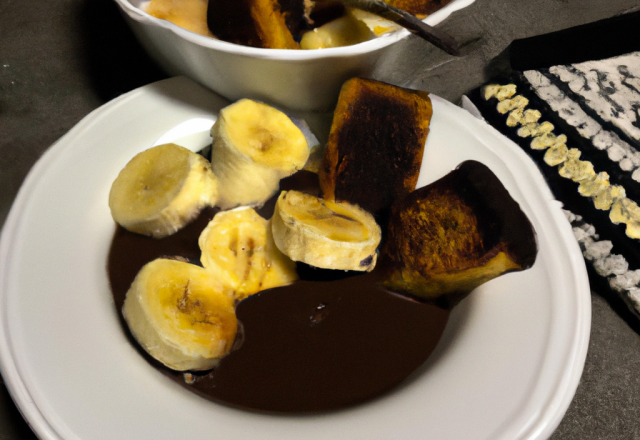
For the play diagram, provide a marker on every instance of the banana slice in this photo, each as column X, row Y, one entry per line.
column 161, row 190
column 344, row 31
column 181, row 315
column 254, row 146
column 282, row 269
column 375, row 23
column 330, row 235
column 238, row 248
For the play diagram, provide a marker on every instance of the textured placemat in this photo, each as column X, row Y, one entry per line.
column 580, row 123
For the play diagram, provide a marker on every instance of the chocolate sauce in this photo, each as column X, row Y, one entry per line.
column 309, row 347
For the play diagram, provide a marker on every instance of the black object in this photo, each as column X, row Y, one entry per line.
column 593, row 41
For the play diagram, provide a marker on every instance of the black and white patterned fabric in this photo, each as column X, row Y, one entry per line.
column 581, row 125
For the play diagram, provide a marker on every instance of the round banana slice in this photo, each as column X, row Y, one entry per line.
column 161, row 190
column 254, row 146
column 238, row 248
column 181, row 315
column 321, row 233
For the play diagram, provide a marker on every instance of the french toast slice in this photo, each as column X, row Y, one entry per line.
column 256, row 23
column 374, row 152
column 449, row 237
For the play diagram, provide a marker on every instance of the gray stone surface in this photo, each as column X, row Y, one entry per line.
column 607, row 402
column 60, row 59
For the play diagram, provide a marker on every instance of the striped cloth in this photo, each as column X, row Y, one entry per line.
column 580, row 123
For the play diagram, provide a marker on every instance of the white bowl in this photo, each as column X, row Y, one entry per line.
column 296, row 79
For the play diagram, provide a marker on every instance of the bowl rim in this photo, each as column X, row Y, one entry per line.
column 137, row 14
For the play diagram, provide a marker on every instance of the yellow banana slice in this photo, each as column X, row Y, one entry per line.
column 238, row 248
column 282, row 269
column 254, row 146
column 344, row 31
column 375, row 23
column 181, row 315
column 321, row 233
column 161, row 190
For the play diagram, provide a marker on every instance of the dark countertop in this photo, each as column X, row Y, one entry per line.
column 59, row 60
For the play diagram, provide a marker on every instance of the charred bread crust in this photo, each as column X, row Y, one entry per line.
column 255, row 23
column 447, row 238
column 375, row 147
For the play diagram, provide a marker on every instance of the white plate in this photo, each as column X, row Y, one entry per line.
column 297, row 79
column 506, row 368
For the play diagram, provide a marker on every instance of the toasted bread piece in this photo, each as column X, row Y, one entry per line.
column 451, row 236
column 256, row 23
column 375, row 146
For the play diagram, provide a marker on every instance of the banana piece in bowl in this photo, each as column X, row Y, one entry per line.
column 254, row 146
column 238, row 249
column 162, row 189
column 325, row 234
column 180, row 314
column 343, row 31
column 188, row 14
